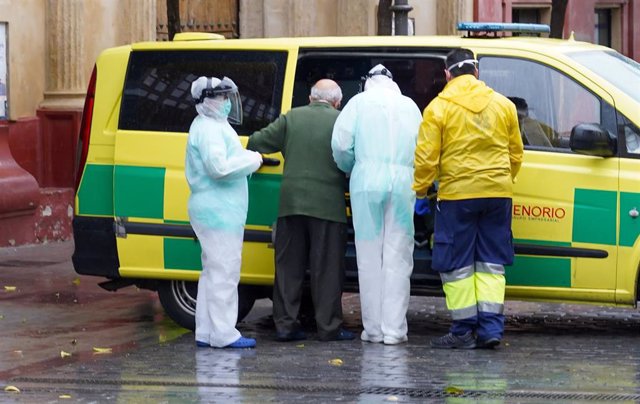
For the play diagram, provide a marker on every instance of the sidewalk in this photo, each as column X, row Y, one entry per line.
column 32, row 254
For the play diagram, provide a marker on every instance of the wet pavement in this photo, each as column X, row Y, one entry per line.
column 64, row 339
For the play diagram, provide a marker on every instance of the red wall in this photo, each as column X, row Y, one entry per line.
column 45, row 145
column 37, row 164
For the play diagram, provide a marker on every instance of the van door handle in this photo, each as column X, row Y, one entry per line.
column 270, row 161
column 634, row 213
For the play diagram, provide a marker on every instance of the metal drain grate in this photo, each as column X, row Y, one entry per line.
column 314, row 388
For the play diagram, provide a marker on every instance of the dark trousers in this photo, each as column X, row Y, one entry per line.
column 304, row 242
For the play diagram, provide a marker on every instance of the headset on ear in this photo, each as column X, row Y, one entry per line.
column 209, row 91
column 383, row 72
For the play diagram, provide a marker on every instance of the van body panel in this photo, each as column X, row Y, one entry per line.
column 629, row 256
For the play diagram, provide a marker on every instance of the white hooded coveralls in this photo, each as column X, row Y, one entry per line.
column 374, row 139
column 216, row 168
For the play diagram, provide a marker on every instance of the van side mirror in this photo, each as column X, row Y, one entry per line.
column 593, row 140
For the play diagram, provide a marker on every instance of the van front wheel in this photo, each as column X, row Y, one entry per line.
column 178, row 299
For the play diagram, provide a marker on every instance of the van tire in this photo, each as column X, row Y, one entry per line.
column 178, row 299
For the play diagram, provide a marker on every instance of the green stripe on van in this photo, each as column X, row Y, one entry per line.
column 629, row 226
column 264, row 198
column 182, row 253
column 95, row 196
column 139, row 191
column 539, row 271
column 594, row 217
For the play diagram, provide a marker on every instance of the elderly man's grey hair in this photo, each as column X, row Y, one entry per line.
column 331, row 95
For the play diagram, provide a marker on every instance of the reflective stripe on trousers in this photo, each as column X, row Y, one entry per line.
column 474, row 288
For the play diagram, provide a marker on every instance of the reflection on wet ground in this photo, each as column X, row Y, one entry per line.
column 550, row 353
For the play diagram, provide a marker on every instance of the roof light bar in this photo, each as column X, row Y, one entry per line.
column 496, row 27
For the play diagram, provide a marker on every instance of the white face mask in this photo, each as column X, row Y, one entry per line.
column 213, row 108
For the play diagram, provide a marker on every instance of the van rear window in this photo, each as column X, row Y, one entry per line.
column 157, row 90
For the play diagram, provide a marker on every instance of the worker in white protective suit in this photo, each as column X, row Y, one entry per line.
column 374, row 139
column 216, row 168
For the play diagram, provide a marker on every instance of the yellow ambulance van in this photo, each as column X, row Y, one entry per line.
column 576, row 202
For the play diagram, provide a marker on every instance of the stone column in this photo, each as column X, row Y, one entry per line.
column 353, row 17
column 451, row 12
column 277, row 20
column 65, row 82
column 141, row 24
column 303, row 18
column 251, row 18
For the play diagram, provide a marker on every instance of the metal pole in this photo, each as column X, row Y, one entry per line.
column 401, row 10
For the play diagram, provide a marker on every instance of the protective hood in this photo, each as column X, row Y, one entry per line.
column 380, row 77
column 217, row 99
column 468, row 92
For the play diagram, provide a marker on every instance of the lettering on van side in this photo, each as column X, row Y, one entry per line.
column 538, row 213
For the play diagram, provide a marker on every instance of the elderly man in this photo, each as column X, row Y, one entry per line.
column 311, row 229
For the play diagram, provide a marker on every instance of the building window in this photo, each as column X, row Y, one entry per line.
column 602, row 30
column 530, row 15
column 526, row 15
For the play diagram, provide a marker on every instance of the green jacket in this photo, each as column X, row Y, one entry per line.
column 312, row 184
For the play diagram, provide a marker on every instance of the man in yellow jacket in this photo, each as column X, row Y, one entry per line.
column 470, row 142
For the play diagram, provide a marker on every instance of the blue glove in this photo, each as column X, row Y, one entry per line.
column 422, row 207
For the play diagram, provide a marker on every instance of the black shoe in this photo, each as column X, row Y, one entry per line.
column 298, row 335
column 342, row 335
column 450, row 341
column 488, row 343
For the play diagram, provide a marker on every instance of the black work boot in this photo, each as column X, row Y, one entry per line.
column 450, row 341
column 488, row 343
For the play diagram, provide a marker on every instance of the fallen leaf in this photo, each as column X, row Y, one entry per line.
column 336, row 362
column 101, row 350
column 12, row 389
column 10, row 288
column 64, row 354
column 76, row 281
column 300, row 346
column 64, row 396
column 453, row 390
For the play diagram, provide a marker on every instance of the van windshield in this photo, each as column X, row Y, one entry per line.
column 617, row 69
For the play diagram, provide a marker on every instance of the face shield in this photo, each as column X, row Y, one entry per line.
column 224, row 97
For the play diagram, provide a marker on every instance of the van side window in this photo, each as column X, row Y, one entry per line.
column 157, row 90
column 420, row 76
column 549, row 103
